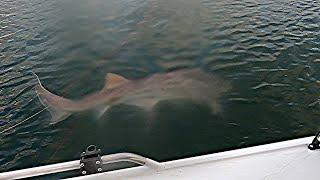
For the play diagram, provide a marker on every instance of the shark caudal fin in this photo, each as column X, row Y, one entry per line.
column 56, row 105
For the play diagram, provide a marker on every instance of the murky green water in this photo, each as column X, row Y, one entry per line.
column 268, row 50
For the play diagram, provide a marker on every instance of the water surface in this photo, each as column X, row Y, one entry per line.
column 268, row 50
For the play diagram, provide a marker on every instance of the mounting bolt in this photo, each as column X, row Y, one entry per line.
column 97, row 162
column 81, row 165
column 99, row 169
column 84, row 172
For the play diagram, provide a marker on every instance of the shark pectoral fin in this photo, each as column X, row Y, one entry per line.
column 146, row 104
column 113, row 80
column 101, row 111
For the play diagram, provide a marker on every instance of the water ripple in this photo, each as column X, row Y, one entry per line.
column 268, row 49
column 265, row 84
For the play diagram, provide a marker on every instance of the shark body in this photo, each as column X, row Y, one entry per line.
column 195, row 85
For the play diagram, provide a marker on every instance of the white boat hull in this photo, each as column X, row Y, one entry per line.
column 288, row 160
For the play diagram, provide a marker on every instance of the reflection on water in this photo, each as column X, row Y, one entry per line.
column 268, row 50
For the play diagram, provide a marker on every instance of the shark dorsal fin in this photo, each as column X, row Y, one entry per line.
column 114, row 80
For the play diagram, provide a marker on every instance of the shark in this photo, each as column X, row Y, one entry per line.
column 192, row 84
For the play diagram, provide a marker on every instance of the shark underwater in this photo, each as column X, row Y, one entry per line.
column 191, row 84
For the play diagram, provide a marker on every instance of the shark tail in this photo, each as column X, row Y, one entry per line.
column 56, row 105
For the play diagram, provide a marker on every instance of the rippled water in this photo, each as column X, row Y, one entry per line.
column 268, row 50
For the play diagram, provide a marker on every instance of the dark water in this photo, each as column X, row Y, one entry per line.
column 268, row 50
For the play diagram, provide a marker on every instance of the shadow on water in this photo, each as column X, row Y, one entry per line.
column 174, row 129
column 157, row 134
